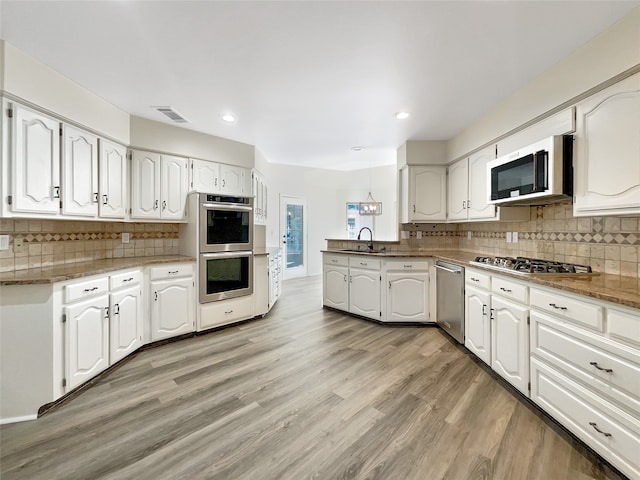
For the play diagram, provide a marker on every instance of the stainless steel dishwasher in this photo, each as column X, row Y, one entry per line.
column 450, row 298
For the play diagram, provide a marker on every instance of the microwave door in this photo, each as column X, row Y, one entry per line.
column 513, row 178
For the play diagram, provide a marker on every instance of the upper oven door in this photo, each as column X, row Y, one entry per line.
column 525, row 175
column 225, row 228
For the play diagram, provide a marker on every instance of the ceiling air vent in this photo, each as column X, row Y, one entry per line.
column 172, row 114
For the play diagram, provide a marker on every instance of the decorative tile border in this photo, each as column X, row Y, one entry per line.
column 66, row 237
column 606, row 238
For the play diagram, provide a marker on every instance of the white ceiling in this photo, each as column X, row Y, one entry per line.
column 308, row 80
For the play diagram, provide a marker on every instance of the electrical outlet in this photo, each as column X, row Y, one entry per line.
column 418, row 234
column 4, row 242
column 514, row 237
column 125, row 237
column 508, row 235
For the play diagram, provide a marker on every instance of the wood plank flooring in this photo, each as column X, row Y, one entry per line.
column 304, row 393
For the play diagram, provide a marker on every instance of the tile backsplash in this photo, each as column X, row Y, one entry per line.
column 43, row 243
column 608, row 244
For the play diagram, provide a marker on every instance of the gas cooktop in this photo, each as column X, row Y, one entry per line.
column 525, row 266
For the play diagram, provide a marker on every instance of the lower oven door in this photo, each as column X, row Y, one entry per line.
column 225, row 275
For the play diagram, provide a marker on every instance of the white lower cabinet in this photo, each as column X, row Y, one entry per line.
column 172, row 306
column 364, row 293
column 125, row 330
column 335, row 281
column 87, row 339
column 477, row 330
column 225, row 312
column 407, row 290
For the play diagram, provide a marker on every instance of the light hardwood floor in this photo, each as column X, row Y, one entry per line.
column 304, row 393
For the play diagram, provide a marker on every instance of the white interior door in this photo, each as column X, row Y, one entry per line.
column 293, row 235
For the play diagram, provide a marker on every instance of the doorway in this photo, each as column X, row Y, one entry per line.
column 293, row 234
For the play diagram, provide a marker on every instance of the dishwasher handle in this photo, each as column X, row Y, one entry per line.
column 449, row 270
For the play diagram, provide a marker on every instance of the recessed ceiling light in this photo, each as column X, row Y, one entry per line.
column 357, row 148
column 229, row 117
column 402, row 115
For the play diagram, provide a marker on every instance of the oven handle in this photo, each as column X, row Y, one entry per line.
column 219, row 206
column 243, row 253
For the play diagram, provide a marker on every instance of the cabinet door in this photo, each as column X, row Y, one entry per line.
column 407, row 297
column 35, row 162
column 335, row 287
column 79, row 172
column 145, row 185
column 510, row 342
column 477, row 206
column 172, row 307
column 607, row 156
column 232, row 179
column 205, row 176
column 87, row 339
column 125, row 329
column 364, row 293
column 457, row 190
column 428, row 193
column 113, row 180
column 477, row 325
column 175, row 178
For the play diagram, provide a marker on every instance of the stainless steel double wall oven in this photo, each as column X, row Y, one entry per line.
column 226, row 246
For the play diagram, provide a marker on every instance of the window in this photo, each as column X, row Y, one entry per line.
column 355, row 221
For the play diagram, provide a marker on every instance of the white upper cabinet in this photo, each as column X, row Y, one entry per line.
column 427, row 194
column 112, row 180
column 174, row 181
column 477, row 206
column 607, row 151
column 145, row 184
column 205, row 176
column 159, row 185
column 35, row 158
column 79, row 172
column 457, row 190
column 259, row 191
column 232, row 179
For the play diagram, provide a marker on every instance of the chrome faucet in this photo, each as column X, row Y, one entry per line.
column 370, row 244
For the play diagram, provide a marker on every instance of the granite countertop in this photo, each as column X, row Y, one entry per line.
column 610, row 288
column 69, row 271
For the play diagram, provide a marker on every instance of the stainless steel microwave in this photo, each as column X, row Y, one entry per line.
column 539, row 174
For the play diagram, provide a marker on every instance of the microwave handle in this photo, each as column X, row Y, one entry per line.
column 218, row 206
column 543, row 156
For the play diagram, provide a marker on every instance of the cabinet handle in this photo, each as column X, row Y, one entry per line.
column 105, row 199
column 505, row 289
column 56, row 192
column 127, row 280
column 224, row 182
column 364, row 264
column 345, row 278
column 414, row 209
column 227, row 313
column 595, row 427
column 484, row 312
column 408, row 266
column 117, row 309
column 334, row 260
column 155, row 205
column 389, row 285
column 491, row 313
column 106, row 312
column 173, row 272
column 216, row 182
column 595, row 364
column 474, row 279
column 91, row 289
column 156, row 295
column 468, row 204
column 464, row 204
column 557, row 307
column 164, row 205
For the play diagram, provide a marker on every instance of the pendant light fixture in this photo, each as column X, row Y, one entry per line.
column 369, row 206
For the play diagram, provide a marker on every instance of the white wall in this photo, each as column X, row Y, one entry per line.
column 327, row 193
column 173, row 139
column 30, row 80
column 612, row 52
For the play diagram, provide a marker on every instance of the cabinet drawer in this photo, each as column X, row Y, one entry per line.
column 224, row 312
column 88, row 288
column 610, row 432
column 362, row 261
column 330, row 259
column 602, row 365
column 509, row 289
column 624, row 326
column 408, row 265
column 578, row 311
column 477, row 279
column 171, row 271
column 125, row 279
